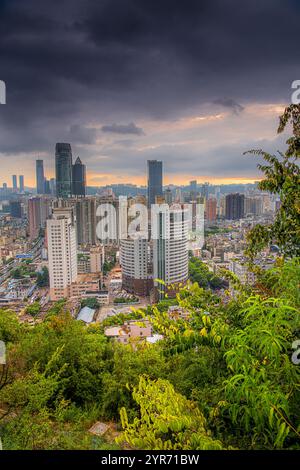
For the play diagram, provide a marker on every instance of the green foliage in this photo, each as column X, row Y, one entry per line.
column 108, row 266
column 199, row 272
column 25, row 269
column 33, row 309
column 126, row 367
column 282, row 177
column 43, row 278
column 221, row 378
column 10, row 328
column 58, row 308
column 168, row 421
column 91, row 302
column 120, row 318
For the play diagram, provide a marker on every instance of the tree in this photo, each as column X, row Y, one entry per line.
column 33, row 309
column 282, row 177
column 199, row 272
column 91, row 302
column 168, row 421
column 43, row 278
column 10, row 328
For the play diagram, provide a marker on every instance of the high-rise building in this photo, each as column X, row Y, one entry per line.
column 52, row 184
column 170, row 248
column 193, row 190
column 134, row 259
column 62, row 252
column 168, row 196
column 63, row 168
column 86, row 219
column 40, row 177
column 193, row 185
column 16, row 209
column 21, row 183
column 14, row 183
column 178, row 196
column 253, row 205
column 205, row 190
column 47, row 186
column 234, row 207
column 211, row 209
column 79, row 178
column 155, row 180
column 39, row 209
column 97, row 258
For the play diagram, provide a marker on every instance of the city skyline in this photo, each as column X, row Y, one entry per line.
column 192, row 96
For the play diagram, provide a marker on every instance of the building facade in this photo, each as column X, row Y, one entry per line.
column 170, row 249
column 21, row 183
column 155, row 180
column 40, row 177
column 63, row 168
column 79, row 178
column 39, row 210
column 234, row 206
column 62, row 252
column 136, row 272
column 211, row 209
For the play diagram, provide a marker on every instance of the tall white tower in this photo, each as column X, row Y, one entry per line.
column 170, row 248
column 62, row 252
column 134, row 259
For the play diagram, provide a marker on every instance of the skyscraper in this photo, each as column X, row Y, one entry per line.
column 15, row 209
column 168, row 196
column 14, row 183
column 234, row 208
column 47, row 186
column 134, row 261
column 63, row 167
column 21, row 183
column 52, row 185
column 205, row 190
column 62, row 252
column 86, row 219
column 39, row 209
column 211, row 209
column 170, row 249
column 79, row 178
column 155, row 180
column 40, row 177
column 193, row 190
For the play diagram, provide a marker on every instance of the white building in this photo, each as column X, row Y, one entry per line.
column 170, row 247
column 62, row 252
column 134, row 259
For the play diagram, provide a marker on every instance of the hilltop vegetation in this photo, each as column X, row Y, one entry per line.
column 230, row 365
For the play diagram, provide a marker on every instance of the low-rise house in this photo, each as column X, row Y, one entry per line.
column 132, row 331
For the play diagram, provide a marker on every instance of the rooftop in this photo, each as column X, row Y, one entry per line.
column 86, row 314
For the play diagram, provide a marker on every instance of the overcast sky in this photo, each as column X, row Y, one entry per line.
column 194, row 83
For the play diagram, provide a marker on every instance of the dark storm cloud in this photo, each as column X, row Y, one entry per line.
column 231, row 104
column 82, row 135
column 82, row 61
column 130, row 128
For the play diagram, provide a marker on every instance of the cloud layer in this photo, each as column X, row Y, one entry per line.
column 181, row 80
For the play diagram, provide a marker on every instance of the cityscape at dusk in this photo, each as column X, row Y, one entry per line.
column 149, row 231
